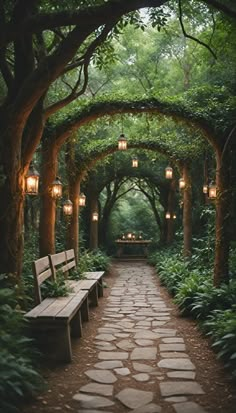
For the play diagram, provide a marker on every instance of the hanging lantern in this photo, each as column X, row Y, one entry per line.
column 129, row 235
column 169, row 172
column 122, row 143
column 82, row 199
column 68, row 207
column 94, row 216
column 133, row 237
column 135, row 162
column 181, row 183
column 56, row 189
column 212, row 191
column 123, row 236
column 32, row 181
column 205, row 189
column 167, row 215
column 174, row 216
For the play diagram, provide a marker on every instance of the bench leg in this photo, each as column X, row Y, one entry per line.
column 94, row 296
column 62, row 348
column 100, row 288
column 76, row 325
column 85, row 310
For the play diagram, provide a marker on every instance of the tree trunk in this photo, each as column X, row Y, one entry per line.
column 171, row 206
column 48, row 204
column 73, row 226
column 187, row 212
column 93, row 242
column 223, row 200
column 11, row 214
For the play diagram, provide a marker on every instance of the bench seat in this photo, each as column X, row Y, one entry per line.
column 96, row 275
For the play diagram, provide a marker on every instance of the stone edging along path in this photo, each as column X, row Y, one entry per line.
column 142, row 363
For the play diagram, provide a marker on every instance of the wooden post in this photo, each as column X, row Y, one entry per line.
column 187, row 211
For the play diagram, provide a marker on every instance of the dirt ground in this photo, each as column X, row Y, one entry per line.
column 64, row 380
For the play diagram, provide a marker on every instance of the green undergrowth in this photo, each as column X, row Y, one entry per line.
column 190, row 282
column 19, row 379
column 90, row 261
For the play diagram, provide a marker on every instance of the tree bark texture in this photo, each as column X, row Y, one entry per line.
column 187, row 211
column 73, row 224
column 48, row 204
column 171, row 208
column 223, row 202
column 93, row 241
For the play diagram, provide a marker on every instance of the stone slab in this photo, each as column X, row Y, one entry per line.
column 105, row 337
column 176, row 364
column 174, row 354
column 125, row 344
column 101, row 376
column 89, row 401
column 175, row 388
column 173, row 340
column 133, row 398
column 97, row 388
column 124, row 371
column 112, row 355
column 144, row 353
column 182, row 374
column 144, row 343
column 188, row 407
column 141, row 377
column 176, row 399
column 143, row 368
column 172, row 347
column 109, row 364
column 148, row 408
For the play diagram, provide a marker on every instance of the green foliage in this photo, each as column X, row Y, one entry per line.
column 221, row 327
column 18, row 379
column 55, row 288
column 172, row 271
column 90, row 261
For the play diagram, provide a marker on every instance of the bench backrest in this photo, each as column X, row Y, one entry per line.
column 42, row 271
column 62, row 261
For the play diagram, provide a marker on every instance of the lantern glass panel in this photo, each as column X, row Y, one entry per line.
column 168, row 172
column 32, row 181
column 134, row 162
column 68, row 207
column 56, row 189
column 205, row 189
column 129, row 235
column 122, row 143
column 212, row 191
column 82, row 200
column 95, row 216
column 181, row 183
column 167, row 215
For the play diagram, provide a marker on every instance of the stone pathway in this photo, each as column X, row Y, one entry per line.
column 142, row 362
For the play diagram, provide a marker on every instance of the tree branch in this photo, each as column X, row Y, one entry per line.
column 188, row 36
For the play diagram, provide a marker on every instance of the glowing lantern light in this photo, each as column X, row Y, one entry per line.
column 129, row 235
column 167, row 215
column 82, row 200
column 169, row 172
column 181, row 183
column 94, row 216
column 68, row 207
column 174, row 216
column 56, row 189
column 32, row 181
column 212, row 191
column 205, row 189
column 122, row 142
column 135, row 162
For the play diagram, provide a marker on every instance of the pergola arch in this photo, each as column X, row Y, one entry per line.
column 179, row 112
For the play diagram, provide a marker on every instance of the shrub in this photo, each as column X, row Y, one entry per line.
column 210, row 298
column 194, row 284
column 221, row 327
column 90, row 261
column 171, row 272
column 18, row 379
column 55, row 288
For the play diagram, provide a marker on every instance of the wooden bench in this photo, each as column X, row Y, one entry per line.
column 65, row 261
column 54, row 320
